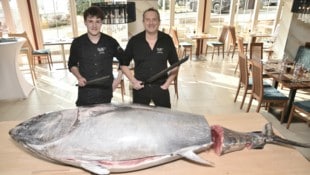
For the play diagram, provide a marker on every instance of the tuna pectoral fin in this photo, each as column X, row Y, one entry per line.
column 195, row 158
column 97, row 169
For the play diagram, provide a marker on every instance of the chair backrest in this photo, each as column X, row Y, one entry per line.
column 232, row 32
column 303, row 56
column 256, row 51
column 181, row 51
column 243, row 68
column 257, row 73
column 240, row 45
column 224, row 32
column 174, row 35
column 27, row 44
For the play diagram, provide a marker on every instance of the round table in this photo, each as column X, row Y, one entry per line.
column 13, row 85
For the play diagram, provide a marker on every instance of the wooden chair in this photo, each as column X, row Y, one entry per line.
column 256, row 51
column 234, row 43
column 32, row 53
column 244, row 79
column 175, row 81
column 25, row 50
column 187, row 47
column 264, row 94
column 301, row 109
column 220, row 43
column 240, row 49
column 118, row 75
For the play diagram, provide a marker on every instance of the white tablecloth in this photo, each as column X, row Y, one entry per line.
column 13, row 85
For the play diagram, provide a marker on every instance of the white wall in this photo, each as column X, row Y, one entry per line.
column 299, row 34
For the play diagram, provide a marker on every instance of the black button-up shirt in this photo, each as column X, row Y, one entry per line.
column 148, row 62
column 94, row 61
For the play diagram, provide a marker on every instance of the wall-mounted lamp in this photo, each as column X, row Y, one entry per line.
column 117, row 12
column 302, row 7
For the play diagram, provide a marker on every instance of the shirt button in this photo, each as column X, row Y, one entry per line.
column 95, row 64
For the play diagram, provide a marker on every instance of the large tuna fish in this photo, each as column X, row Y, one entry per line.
column 110, row 138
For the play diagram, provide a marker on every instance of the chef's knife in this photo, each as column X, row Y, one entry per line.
column 163, row 72
column 97, row 81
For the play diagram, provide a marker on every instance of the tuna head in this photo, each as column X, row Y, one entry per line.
column 110, row 138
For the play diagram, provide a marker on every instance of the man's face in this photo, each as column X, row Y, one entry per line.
column 151, row 22
column 93, row 25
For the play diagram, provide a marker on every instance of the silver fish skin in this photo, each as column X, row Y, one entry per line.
column 111, row 138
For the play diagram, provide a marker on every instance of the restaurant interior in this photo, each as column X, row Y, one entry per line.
column 237, row 52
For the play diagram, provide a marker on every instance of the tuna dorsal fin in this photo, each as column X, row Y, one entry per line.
column 194, row 157
column 97, row 169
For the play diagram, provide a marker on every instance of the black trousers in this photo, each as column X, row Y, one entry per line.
column 153, row 93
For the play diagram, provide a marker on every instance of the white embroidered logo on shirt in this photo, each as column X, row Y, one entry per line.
column 101, row 50
column 160, row 50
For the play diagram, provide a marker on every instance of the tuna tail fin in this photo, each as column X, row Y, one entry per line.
column 195, row 158
column 97, row 169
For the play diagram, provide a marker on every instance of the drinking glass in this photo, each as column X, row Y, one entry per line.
column 297, row 70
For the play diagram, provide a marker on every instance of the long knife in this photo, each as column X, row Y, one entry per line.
column 97, row 81
column 163, row 72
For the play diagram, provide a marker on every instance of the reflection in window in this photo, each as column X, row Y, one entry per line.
column 266, row 16
column 185, row 16
column 55, row 19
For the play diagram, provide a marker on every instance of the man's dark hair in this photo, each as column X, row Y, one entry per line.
column 152, row 10
column 93, row 11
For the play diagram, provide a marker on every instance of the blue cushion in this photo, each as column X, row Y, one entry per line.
column 185, row 44
column 41, row 51
column 303, row 56
column 305, row 105
column 212, row 43
column 271, row 93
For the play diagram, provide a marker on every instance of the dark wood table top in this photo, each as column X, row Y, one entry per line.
column 286, row 78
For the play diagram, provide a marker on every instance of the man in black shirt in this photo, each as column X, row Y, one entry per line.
column 91, row 57
column 150, row 50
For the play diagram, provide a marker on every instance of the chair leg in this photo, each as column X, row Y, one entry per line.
column 122, row 89
column 223, row 51
column 176, row 89
column 236, row 67
column 237, row 93
column 243, row 98
column 283, row 111
column 32, row 72
column 290, row 117
column 258, row 106
column 228, row 52
column 213, row 53
column 250, row 103
column 206, row 50
column 233, row 52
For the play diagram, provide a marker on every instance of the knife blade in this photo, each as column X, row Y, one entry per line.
column 97, row 81
column 163, row 72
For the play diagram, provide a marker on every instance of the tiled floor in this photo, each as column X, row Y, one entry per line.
column 205, row 87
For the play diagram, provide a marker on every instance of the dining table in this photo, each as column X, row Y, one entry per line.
column 254, row 36
column 200, row 37
column 272, row 159
column 13, row 83
column 61, row 43
column 287, row 80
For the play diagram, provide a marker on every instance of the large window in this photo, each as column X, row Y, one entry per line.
column 55, row 19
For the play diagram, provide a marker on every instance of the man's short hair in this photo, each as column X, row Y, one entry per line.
column 151, row 10
column 93, row 11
